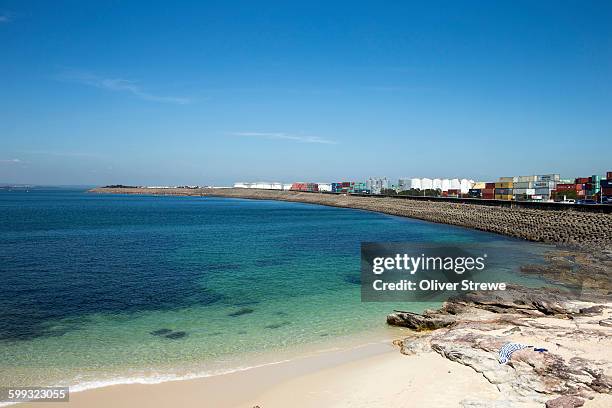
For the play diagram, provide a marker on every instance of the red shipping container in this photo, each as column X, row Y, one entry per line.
column 607, row 192
column 583, row 180
column 609, row 175
column 566, row 187
column 579, row 187
column 489, row 186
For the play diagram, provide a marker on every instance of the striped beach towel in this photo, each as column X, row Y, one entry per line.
column 507, row 349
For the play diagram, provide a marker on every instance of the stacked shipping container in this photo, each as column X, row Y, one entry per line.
column 489, row 191
column 503, row 188
column 310, row 187
column 606, row 187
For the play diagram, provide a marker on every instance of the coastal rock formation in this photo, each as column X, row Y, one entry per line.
column 470, row 329
column 567, row 227
column 566, row 401
column 579, row 271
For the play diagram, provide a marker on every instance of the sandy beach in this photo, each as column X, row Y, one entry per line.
column 374, row 375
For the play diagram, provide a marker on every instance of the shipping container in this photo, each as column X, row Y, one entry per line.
column 605, row 183
column 526, row 179
column 503, row 197
column 566, row 187
column 503, row 191
column 506, row 179
column 489, row 186
column 609, row 175
column 504, row 184
column 542, row 191
column 479, row 185
column 312, row 187
column 592, row 188
column 544, row 184
column 548, row 177
column 607, row 192
column 523, row 184
column 583, row 180
column 524, row 191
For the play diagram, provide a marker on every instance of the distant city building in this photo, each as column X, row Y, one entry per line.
column 375, row 185
column 403, row 184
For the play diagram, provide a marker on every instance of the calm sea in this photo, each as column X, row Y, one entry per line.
column 101, row 289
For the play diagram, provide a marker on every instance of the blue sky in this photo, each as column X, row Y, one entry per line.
column 215, row 92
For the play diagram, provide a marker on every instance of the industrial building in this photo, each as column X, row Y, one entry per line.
column 376, row 185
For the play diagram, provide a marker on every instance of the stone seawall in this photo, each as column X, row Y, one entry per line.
column 568, row 227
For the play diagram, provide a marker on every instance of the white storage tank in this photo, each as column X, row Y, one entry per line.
column 263, row 185
column 437, row 184
column 415, row 183
column 466, row 185
column 455, row 184
column 446, row 184
column 426, row 184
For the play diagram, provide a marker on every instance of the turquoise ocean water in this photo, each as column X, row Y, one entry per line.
column 101, row 289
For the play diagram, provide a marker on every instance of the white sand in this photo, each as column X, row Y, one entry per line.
column 376, row 375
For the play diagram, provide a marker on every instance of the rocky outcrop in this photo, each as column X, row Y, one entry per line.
column 579, row 271
column 567, row 227
column 566, row 401
column 471, row 328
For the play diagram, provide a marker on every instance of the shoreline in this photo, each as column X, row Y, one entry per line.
column 332, row 378
column 568, row 228
column 338, row 349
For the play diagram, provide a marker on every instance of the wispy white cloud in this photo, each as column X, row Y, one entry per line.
column 6, row 17
column 285, row 136
column 55, row 153
column 118, row 85
column 10, row 161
